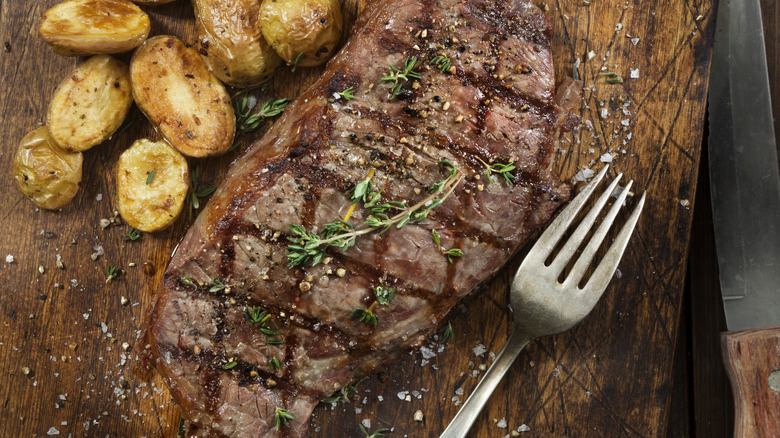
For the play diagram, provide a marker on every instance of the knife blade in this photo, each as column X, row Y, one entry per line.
column 745, row 190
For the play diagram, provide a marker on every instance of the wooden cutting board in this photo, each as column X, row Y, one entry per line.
column 63, row 360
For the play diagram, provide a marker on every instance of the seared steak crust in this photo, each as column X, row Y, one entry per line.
column 495, row 104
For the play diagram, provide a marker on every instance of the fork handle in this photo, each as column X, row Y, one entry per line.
column 460, row 425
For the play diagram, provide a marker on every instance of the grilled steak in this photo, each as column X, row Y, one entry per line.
column 248, row 344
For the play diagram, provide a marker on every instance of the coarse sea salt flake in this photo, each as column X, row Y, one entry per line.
column 479, row 350
column 634, row 73
column 52, row 431
column 523, row 428
column 501, row 423
column 9, row 258
column 606, row 158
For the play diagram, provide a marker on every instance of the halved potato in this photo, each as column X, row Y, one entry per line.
column 231, row 42
column 90, row 104
column 184, row 101
column 309, row 29
column 151, row 184
column 46, row 174
column 94, row 27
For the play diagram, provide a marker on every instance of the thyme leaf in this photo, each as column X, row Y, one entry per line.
column 198, row 189
column 383, row 294
column 187, row 281
column 453, row 252
column 217, row 286
column 505, row 170
column 247, row 121
column 131, row 235
column 150, row 177
column 298, row 60
column 448, row 333
column 230, row 365
column 274, row 364
column 366, row 315
column 379, row 433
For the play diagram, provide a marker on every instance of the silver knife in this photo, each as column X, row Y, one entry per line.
column 745, row 189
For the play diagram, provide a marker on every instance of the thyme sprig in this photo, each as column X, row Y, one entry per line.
column 281, row 417
column 298, row 60
column 198, row 189
column 379, row 433
column 448, row 333
column 113, row 272
column 343, row 393
column 247, row 121
column 453, row 252
column 366, row 315
column 383, row 294
column 131, row 235
column 398, row 76
column 260, row 318
column 504, row 170
column 218, row 286
column 187, row 281
column 612, row 77
column 347, row 94
column 310, row 247
column 442, row 62
column 274, row 364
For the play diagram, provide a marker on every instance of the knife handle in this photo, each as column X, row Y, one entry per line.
column 752, row 359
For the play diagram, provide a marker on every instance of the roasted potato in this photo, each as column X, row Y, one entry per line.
column 309, row 29
column 94, row 27
column 47, row 175
column 151, row 184
column 230, row 40
column 90, row 104
column 184, row 101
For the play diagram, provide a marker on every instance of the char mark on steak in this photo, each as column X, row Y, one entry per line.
column 246, row 342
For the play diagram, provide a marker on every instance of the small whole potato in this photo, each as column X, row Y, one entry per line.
column 94, row 27
column 90, row 104
column 231, row 42
column 151, row 184
column 46, row 174
column 152, row 2
column 184, row 101
column 309, row 29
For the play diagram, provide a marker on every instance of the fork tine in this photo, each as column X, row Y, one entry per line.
column 600, row 279
column 547, row 241
column 575, row 240
column 583, row 261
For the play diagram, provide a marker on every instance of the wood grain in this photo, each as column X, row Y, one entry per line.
column 610, row 376
column 750, row 357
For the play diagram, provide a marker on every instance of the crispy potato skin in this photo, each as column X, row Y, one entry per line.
column 311, row 27
column 231, row 42
column 94, row 27
column 45, row 174
column 90, row 104
column 184, row 101
column 154, row 206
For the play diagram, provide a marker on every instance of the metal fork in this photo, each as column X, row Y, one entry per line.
column 541, row 304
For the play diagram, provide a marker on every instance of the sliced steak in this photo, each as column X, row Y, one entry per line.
column 494, row 103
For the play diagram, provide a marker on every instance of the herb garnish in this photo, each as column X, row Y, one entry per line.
column 217, row 286
column 379, row 433
column 383, row 294
column 246, row 121
column 180, row 430
column 298, row 60
column 366, row 315
column 347, row 94
column 150, row 177
column 504, row 170
column 113, row 272
column 436, row 239
column 187, row 281
column 260, row 318
column 343, row 393
column 309, row 246
column 275, row 341
column 274, row 364
column 281, row 417
column 131, row 235
column 453, row 252
column 397, row 75
column 612, row 77
column 198, row 189
column 442, row 62
column 448, row 333
column 230, row 365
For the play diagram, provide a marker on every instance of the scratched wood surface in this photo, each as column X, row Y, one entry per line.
column 610, row 376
